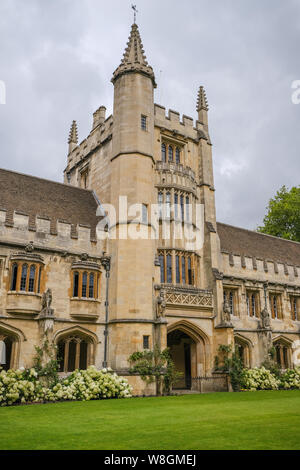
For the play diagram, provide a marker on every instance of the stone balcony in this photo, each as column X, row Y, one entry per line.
column 176, row 168
column 24, row 303
column 84, row 308
column 186, row 297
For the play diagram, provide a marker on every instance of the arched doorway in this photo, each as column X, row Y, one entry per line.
column 180, row 345
column 189, row 351
column 6, row 346
column 10, row 340
column 243, row 349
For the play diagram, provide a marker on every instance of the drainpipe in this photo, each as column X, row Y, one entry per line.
column 105, row 261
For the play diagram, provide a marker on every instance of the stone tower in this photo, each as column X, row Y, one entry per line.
column 132, row 180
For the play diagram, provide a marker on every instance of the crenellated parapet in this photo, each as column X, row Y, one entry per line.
column 100, row 135
column 243, row 265
column 16, row 227
column 184, row 128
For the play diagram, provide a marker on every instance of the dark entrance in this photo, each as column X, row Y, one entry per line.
column 187, row 364
column 180, row 349
column 8, row 341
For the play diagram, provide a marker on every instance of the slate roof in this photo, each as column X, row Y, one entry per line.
column 246, row 242
column 57, row 201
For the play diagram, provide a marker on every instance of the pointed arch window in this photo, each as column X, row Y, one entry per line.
column 282, row 354
column 74, row 352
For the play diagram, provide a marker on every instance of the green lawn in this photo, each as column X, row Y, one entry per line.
column 247, row 420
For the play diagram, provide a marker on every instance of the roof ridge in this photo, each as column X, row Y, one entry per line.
column 259, row 233
column 45, row 179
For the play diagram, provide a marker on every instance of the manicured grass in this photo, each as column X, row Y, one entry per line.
column 248, row 420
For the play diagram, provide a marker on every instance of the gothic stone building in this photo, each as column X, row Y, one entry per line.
column 101, row 298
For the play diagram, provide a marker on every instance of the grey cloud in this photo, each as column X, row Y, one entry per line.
column 57, row 59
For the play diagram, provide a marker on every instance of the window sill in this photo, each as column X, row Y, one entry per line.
column 85, row 299
column 22, row 292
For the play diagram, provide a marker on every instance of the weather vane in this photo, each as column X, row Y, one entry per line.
column 135, row 11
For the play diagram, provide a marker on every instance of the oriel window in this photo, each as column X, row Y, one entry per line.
column 25, row 277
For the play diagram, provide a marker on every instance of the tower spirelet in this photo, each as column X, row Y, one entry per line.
column 202, row 100
column 73, row 137
column 134, row 59
column 202, row 105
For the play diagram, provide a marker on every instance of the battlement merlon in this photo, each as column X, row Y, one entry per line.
column 55, row 233
column 249, row 268
column 186, row 126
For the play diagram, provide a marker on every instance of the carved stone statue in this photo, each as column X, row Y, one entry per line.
column 265, row 318
column 47, row 299
column 160, row 304
column 226, row 318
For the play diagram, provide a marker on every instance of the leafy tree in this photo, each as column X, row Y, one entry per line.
column 45, row 362
column 155, row 366
column 231, row 363
column 283, row 217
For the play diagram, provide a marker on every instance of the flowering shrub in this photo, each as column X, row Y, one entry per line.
column 90, row 384
column 20, row 386
column 259, row 379
column 23, row 386
column 290, row 379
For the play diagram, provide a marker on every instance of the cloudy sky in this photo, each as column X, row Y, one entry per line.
column 57, row 58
